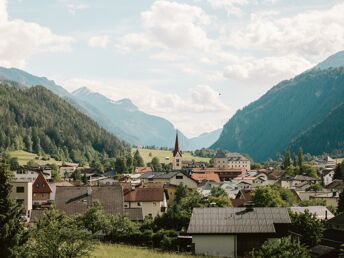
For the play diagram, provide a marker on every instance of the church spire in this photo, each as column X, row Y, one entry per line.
column 176, row 146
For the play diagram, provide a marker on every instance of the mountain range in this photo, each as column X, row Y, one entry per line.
column 305, row 111
column 121, row 118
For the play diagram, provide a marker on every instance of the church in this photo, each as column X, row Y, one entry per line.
column 177, row 159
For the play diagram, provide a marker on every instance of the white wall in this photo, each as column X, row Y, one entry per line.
column 215, row 245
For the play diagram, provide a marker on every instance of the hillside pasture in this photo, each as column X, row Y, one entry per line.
column 24, row 157
column 165, row 156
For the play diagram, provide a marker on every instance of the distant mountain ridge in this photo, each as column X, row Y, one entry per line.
column 122, row 118
column 292, row 112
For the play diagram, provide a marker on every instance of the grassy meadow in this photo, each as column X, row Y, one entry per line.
column 24, row 157
column 123, row 251
column 163, row 154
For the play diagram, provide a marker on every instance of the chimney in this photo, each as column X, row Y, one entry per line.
column 325, row 214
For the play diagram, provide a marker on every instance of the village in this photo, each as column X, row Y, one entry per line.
column 230, row 224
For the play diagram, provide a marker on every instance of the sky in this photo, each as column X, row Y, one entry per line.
column 193, row 62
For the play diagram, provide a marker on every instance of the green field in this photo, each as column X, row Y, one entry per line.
column 123, row 251
column 164, row 154
column 24, row 157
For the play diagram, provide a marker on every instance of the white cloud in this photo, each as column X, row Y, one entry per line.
column 99, row 41
column 171, row 25
column 313, row 34
column 74, row 8
column 233, row 7
column 266, row 71
column 20, row 40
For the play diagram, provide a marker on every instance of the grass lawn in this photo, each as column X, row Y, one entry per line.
column 124, row 251
column 163, row 154
column 24, row 157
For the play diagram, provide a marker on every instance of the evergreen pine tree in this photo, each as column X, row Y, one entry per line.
column 286, row 162
column 11, row 229
column 138, row 160
column 300, row 159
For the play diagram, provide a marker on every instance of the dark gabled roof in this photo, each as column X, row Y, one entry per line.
column 76, row 199
column 134, row 214
column 336, row 184
column 159, row 175
column 337, row 220
column 236, row 220
column 41, row 185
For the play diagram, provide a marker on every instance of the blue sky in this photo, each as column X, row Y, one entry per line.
column 194, row 62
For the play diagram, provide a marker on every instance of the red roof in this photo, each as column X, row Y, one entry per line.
column 242, row 197
column 207, row 176
column 41, row 185
column 146, row 193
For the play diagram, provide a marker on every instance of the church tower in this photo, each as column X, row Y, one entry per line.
column 177, row 156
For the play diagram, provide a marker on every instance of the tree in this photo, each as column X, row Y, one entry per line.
column 55, row 174
column 339, row 171
column 138, row 160
column 32, row 164
column 14, row 164
column 266, row 196
column 155, row 164
column 120, row 165
column 58, row 236
column 283, row 248
column 314, row 188
column 340, row 208
column 309, row 170
column 286, row 162
column 95, row 219
column 308, row 226
column 11, row 228
column 300, row 159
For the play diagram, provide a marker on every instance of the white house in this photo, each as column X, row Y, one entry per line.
column 22, row 193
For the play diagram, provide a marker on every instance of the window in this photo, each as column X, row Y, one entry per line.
column 20, row 189
column 126, row 206
column 154, row 203
column 177, row 160
column 138, row 204
column 179, row 177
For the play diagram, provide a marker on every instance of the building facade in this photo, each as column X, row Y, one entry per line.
column 224, row 160
column 22, row 193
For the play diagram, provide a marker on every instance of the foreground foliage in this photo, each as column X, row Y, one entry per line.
column 281, row 248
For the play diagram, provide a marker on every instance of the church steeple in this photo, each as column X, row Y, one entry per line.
column 177, row 162
column 176, row 146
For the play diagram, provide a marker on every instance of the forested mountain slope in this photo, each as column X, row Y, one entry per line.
column 271, row 123
column 39, row 121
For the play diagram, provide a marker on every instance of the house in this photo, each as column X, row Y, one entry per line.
column 150, row 197
column 321, row 212
column 231, row 161
column 27, row 173
column 174, row 178
column 142, row 170
column 41, row 190
column 177, row 157
column 327, row 176
column 298, row 182
column 76, row 199
column 243, row 196
column 22, row 193
column 233, row 232
column 224, row 174
column 336, row 186
column 213, row 177
column 67, row 169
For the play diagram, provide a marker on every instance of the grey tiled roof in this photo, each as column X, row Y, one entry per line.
column 76, row 199
column 236, row 220
column 159, row 175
